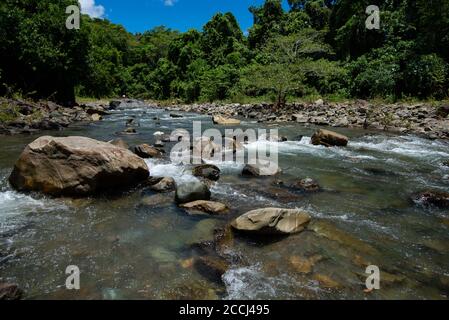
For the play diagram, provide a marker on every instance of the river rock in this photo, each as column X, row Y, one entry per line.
column 220, row 120
column 208, row 207
column 166, row 184
column 261, row 168
column 329, row 139
column 305, row 185
column 212, row 268
column 156, row 200
column 10, row 291
column 114, row 104
column 272, row 221
column 96, row 117
column 207, row 171
column 205, row 148
column 438, row 199
column 146, row 151
column 191, row 191
column 129, row 131
column 76, row 166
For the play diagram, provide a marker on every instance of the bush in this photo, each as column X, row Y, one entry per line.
column 327, row 77
column 427, row 77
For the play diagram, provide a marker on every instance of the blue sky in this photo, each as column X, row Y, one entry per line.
column 141, row 15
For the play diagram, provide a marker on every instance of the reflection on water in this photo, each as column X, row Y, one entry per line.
column 141, row 246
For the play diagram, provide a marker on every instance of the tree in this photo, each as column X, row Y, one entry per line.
column 277, row 70
column 39, row 55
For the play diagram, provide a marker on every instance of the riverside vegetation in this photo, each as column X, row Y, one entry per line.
column 99, row 190
column 317, row 47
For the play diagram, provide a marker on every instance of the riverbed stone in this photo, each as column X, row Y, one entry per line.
column 9, row 291
column 166, row 184
column 307, row 185
column 221, row 120
column 212, row 268
column 205, row 207
column 76, row 166
column 272, row 221
column 438, row 199
column 329, row 139
column 191, row 191
column 207, row 171
column 146, row 151
column 157, row 200
column 261, row 168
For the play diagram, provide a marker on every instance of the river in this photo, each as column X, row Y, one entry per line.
column 128, row 249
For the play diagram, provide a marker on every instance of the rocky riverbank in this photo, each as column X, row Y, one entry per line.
column 423, row 119
column 26, row 117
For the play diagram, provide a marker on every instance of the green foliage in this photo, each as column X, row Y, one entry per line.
column 317, row 48
column 40, row 56
column 427, row 74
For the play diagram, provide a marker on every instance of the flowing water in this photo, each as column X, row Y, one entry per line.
column 128, row 248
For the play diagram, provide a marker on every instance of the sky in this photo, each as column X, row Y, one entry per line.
column 182, row 15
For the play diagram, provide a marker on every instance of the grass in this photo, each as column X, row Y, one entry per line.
column 84, row 100
column 7, row 112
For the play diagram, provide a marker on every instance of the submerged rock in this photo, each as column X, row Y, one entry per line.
column 304, row 265
column 308, row 185
column 208, row 207
column 434, row 198
column 272, row 221
column 191, row 191
column 157, row 200
column 207, row 171
column 146, row 151
column 76, row 166
column 129, row 131
column 212, row 268
column 327, row 282
column 329, row 139
column 9, row 291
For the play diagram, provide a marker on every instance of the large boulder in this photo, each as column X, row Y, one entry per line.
column 76, row 166
column 207, row 171
column 119, row 143
column 329, row 139
column 191, row 191
column 272, row 221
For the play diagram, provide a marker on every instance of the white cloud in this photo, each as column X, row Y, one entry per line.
column 89, row 7
column 169, row 3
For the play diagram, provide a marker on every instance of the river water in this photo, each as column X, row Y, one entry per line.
column 127, row 248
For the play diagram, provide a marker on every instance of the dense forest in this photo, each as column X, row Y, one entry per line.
column 316, row 48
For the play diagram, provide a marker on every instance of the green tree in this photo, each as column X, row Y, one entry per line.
column 40, row 56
